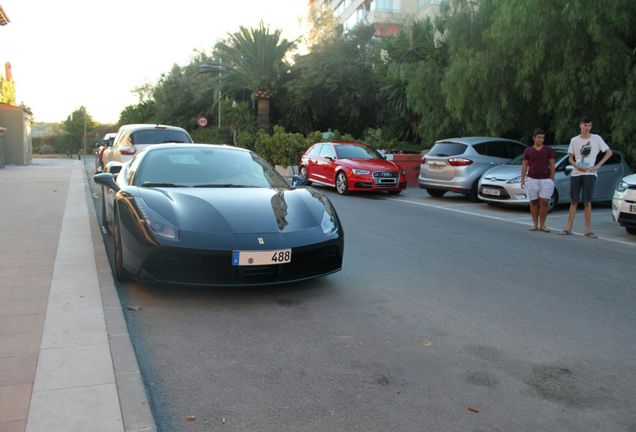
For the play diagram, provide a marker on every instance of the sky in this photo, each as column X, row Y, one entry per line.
column 69, row 53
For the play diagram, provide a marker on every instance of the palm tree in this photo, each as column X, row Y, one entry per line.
column 253, row 59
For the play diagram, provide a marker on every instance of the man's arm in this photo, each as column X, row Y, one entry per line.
column 608, row 154
column 552, row 169
column 524, row 170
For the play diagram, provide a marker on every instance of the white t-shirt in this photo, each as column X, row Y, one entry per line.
column 585, row 152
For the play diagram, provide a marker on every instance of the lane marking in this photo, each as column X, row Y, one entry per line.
column 517, row 221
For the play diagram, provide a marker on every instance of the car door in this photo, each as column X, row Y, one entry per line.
column 310, row 161
column 326, row 166
column 606, row 177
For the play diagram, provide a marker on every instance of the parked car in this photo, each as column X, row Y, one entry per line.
column 501, row 184
column 350, row 166
column 206, row 214
column 456, row 164
column 105, row 143
column 132, row 138
column 624, row 203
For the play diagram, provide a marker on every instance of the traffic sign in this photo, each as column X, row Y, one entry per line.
column 202, row 121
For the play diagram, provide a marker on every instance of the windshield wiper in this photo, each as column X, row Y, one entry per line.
column 157, row 184
column 222, row 185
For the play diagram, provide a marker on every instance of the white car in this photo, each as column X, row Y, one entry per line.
column 624, row 203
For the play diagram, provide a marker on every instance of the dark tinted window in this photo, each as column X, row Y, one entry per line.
column 447, row 149
column 159, row 136
column 516, row 149
column 615, row 159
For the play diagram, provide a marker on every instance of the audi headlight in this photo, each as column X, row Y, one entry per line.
column 622, row 186
column 157, row 223
column 359, row 171
column 514, row 180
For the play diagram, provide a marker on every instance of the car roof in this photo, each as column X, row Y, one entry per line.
column 183, row 146
column 475, row 140
column 140, row 126
column 337, row 143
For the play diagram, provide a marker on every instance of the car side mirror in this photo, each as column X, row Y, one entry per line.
column 113, row 167
column 330, row 158
column 106, row 180
column 298, row 181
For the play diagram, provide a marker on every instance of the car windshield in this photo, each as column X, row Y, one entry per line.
column 558, row 155
column 159, row 136
column 352, row 151
column 203, row 167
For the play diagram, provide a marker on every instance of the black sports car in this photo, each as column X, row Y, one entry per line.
column 215, row 215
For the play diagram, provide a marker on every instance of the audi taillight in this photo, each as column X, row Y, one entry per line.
column 459, row 161
column 129, row 151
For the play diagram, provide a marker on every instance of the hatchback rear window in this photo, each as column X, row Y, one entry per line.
column 159, row 136
column 447, row 149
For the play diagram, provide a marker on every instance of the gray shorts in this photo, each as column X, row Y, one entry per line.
column 582, row 188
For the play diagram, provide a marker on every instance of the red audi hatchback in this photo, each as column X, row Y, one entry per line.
column 350, row 166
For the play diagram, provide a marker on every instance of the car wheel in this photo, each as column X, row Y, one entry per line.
column 120, row 272
column 104, row 221
column 303, row 174
column 630, row 230
column 341, row 183
column 474, row 193
column 554, row 200
column 438, row 193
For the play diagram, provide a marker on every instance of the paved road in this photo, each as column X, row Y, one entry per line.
column 443, row 308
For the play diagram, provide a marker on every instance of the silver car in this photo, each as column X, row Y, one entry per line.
column 501, row 184
column 456, row 164
column 624, row 203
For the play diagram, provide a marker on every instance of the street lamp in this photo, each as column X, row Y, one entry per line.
column 217, row 67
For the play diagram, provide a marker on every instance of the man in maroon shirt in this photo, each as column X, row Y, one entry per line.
column 538, row 169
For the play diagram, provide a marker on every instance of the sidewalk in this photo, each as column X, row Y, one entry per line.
column 66, row 361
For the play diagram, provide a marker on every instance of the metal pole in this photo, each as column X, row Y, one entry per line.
column 220, row 73
column 84, row 131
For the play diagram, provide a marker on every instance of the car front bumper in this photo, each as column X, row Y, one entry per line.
column 503, row 193
column 624, row 208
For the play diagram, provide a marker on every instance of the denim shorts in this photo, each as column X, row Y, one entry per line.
column 582, row 188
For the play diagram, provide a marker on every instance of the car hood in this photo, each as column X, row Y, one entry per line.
column 630, row 179
column 369, row 164
column 221, row 216
column 502, row 172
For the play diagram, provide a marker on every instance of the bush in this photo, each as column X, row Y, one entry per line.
column 281, row 148
column 212, row 135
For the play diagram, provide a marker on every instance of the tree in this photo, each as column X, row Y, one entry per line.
column 254, row 60
column 76, row 125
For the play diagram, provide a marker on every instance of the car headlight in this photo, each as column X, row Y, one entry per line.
column 514, row 180
column 359, row 171
column 157, row 223
column 622, row 186
column 328, row 223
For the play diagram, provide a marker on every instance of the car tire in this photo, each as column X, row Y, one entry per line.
column 104, row 221
column 120, row 273
column 342, row 187
column 554, row 200
column 438, row 193
column 303, row 174
column 630, row 230
column 474, row 192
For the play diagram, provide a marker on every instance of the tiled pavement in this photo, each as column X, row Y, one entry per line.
column 60, row 318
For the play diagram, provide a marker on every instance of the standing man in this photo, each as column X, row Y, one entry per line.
column 582, row 153
column 538, row 168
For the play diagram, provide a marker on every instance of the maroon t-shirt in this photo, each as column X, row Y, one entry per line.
column 538, row 161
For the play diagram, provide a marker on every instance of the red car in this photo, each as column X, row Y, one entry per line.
column 350, row 166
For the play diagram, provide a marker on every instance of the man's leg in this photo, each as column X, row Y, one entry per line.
column 534, row 213
column 589, row 182
column 588, row 217
column 543, row 211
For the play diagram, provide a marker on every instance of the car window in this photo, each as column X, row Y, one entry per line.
column 158, row 136
column 315, row 150
column 352, row 151
column 614, row 159
column 327, row 151
column 207, row 167
column 516, row 149
column 447, row 149
column 124, row 139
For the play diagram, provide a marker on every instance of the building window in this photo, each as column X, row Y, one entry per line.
column 385, row 5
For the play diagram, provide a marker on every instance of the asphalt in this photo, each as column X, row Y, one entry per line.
column 66, row 359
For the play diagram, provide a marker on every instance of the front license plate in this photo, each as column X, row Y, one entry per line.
column 488, row 191
column 632, row 208
column 249, row 258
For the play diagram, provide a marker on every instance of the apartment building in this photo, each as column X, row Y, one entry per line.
column 385, row 15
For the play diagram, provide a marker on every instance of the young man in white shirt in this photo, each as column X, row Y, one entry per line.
column 582, row 153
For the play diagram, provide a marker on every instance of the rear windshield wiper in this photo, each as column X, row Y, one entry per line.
column 222, row 185
column 157, row 184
